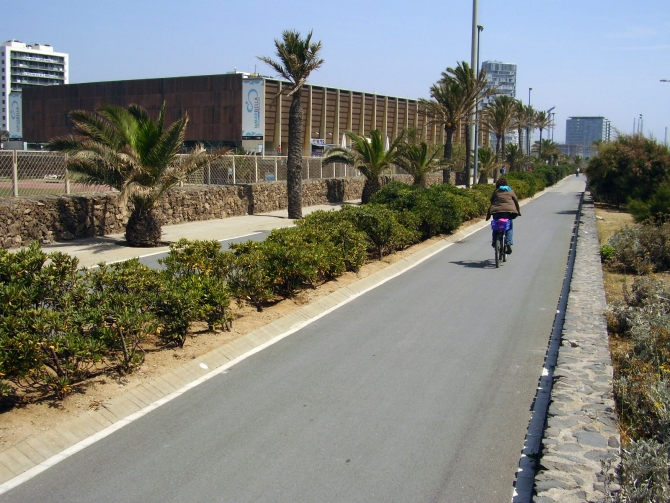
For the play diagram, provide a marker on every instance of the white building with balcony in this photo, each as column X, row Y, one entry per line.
column 23, row 65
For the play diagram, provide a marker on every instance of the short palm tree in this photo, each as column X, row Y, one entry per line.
column 419, row 160
column 546, row 150
column 126, row 150
column 298, row 58
column 513, row 157
column 519, row 119
column 497, row 116
column 368, row 156
column 487, row 163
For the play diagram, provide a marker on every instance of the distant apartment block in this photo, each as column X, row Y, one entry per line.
column 581, row 132
column 24, row 66
column 502, row 77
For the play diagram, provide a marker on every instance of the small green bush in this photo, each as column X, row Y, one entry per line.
column 641, row 248
column 606, row 253
column 521, row 188
column 381, row 227
column 246, row 274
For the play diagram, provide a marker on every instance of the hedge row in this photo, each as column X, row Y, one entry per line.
column 59, row 324
column 528, row 183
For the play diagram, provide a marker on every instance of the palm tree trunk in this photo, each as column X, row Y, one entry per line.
column 143, row 228
column 539, row 153
column 448, row 148
column 370, row 187
column 294, row 161
column 497, row 168
column 520, row 130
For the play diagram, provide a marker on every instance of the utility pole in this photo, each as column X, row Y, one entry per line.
column 475, row 164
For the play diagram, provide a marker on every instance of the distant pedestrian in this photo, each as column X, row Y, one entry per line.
column 503, row 171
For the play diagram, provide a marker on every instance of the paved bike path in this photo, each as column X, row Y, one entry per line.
column 417, row 391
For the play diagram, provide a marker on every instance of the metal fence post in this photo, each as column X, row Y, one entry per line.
column 276, row 172
column 334, row 164
column 233, row 170
column 15, row 174
column 209, row 174
column 321, row 164
column 308, row 169
column 67, row 179
column 256, row 166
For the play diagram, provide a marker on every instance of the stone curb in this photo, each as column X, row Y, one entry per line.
column 46, row 449
column 582, row 427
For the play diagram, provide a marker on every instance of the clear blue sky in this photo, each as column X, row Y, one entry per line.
column 585, row 57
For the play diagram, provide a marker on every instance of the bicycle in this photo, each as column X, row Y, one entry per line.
column 499, row 226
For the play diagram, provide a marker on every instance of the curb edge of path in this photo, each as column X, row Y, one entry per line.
column 36, row 454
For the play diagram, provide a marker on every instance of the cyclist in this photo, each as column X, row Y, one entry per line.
column 504, row 204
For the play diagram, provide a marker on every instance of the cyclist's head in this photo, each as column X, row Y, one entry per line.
column 501, row 181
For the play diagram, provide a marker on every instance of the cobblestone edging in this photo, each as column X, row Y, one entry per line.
column 582, row 425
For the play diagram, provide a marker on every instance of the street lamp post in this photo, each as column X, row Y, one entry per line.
column 528, row 126
column 473, row 63
column 480, row 28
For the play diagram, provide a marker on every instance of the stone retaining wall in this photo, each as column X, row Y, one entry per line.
column 582, row 424
column 63, row 218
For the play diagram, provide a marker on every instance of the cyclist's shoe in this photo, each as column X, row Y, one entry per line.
column 508, row 248
column 493, row 244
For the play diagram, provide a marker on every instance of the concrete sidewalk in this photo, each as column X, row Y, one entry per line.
column 113, row 248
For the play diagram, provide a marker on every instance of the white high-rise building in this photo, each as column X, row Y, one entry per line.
column 25, row 65
column 502, row 77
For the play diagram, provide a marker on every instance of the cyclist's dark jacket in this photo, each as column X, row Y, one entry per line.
column 504, row 202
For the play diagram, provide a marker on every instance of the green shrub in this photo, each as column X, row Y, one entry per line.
column 246, row 274
column 606, row 253
column 534, row 182
column 641, row 248
column 643, row 472
column 381, row 227
column 191, row 257
column 520, row 188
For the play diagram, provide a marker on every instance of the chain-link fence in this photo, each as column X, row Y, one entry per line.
column 44, row 173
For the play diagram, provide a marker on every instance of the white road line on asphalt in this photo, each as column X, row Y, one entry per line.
column 52, row 461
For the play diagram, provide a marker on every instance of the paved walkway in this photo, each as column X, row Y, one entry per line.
column 112, row 248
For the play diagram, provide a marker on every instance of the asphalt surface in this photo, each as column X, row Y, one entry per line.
column 419, row 391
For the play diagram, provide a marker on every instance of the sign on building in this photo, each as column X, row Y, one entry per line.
column 253, row 109
column 15, row 126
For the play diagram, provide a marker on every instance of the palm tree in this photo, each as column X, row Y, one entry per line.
column 542, row 122
column 474, row 92
column 497, row 116
column 487, row 163
column 126, row 150
column 546, row 150
column 514, row 157
column 298, row 58
column 419, row 160
column 447, row 108
column 519, row 120
column 368, row 156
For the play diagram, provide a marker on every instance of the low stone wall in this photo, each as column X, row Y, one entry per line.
column 581, row 422
column 63, row 218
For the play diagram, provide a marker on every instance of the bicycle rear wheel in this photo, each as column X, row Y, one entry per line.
column 499, row 248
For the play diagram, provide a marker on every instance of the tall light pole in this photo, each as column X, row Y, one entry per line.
column 475, row 163
column 473, row 63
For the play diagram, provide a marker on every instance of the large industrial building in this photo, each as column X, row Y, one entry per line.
column 26, row 66
column 234, row 109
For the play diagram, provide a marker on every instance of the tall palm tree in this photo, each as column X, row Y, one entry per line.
column 487, row 163
column 497, row 116
column 542, row 122
column 448, row 108
column 298, row 58
column 368, row 156
column 519, row 120
column 126, row 150
column 419, row 160
column 474, row 92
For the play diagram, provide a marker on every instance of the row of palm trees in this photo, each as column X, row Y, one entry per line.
column 458, row 92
